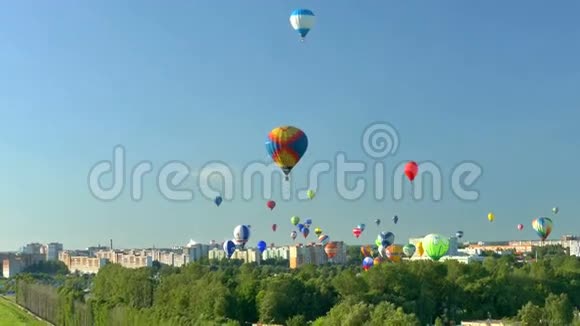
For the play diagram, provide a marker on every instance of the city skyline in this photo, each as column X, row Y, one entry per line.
column 492, row 84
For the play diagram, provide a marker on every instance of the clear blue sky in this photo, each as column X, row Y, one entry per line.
column 494, row 82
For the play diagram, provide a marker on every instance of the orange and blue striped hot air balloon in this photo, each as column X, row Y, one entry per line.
column 286, row 145
column 543, row 227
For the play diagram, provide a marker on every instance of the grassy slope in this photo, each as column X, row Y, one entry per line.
column 12, row 315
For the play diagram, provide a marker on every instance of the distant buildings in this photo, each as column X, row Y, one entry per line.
column 53, row 249
column 314, row 254
column 249, row 255
column 282, row 253
column 32, row 253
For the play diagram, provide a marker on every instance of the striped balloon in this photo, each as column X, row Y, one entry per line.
column 543, row 227
column 241, row 235
column 286, row 145
column 323, row 239
column 302, row 20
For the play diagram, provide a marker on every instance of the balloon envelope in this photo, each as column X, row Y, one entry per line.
column 286, row 145
column 386, row 238
column 331, row 249
column 395, row 219
column 356, row 232
column 229, row 248
column 305, row 232
column 218, row 200
column 274, row 227
column 241, row 235
column 520, row 227
column 271, row 204
column 366, row 251
column 318, row 231
column 293, row 235
column 420, row 249
column 300, row 227
column 409, row 249
column 411, row 170
column 491, row 217
column 310, row 194
column 377, row 222
column 555, row 210
column 543, row 227
column 436, row 246
column 368, row 262
column 394, row 253
column 323, row 239
column 459, row 234
column 308, row 222
column 295, row 220
column 262, row 246
column 302, row 20
column 361, row 226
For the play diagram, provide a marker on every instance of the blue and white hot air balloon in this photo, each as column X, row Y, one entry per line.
column 229, row 248
column 241, row 235
column 302, row 20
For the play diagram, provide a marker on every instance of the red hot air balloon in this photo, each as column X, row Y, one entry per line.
column 411, row 170
column 520, row 227
column 331, row 249
column 274, row 226
column 356, row 232
column 271, row 204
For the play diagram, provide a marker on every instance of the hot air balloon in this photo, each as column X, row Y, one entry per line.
column 302, row 20
column 356, row 232
column 361, row 227
column 305, row 232
column 300, row 227
column 241, row 235
column 367, row 263
column 218, row 200
column 555, row 210
column 378, row 222
column 394, row 253
column 331, row 249
column 436, row 246
column 323, row 239
column 386, row 238
column 308, row 223
column 395, row 219
column 293, row 235
column 378, row 241
column 420, row 249
column 295, row 220
column 491, row 217
column 366, row 251
column 411, row 170
column 318, row 231
column 377, row 260
column 310, row 194
column 520, row 227
column 229, row 248
column 459, row 234
column 543, row 227
column 286, row 145
column 409, row 249
column 262, row 246
column 274, row 227
column 271, row 204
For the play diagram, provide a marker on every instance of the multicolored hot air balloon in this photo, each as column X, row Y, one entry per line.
column 274, row 227
column 520, row 226
column 366, row 251
column 241, row 235
column 361, row 226
column 271, row 204
column 302, row 20
column 420, row 249
column 555, row 210
column 436, row 246
column 367, row 263
column 543, row 227
column 318, row 231
column 331, row 249
column 229, row 248
column 323, row 239
column 356, row 232
column 491, row 217
column 218, row 200
column 409, row 249
column 293, row 235
column 459, row 234
column 286, row 145
column 394, row 253
column 411, row 170
column 310, row 194
column 262, row 246
column 395, row 219
column 377, row 260
column 305, row 232
column 295, row 220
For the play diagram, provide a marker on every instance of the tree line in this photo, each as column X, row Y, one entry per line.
column 546, row 292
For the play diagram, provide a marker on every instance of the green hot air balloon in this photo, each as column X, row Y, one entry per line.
column 436, row 246
column 295, row 220
column 409, row 249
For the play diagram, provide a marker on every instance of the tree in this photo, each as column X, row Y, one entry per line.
column 558, row 310
column 530, row 314
column 298, row 320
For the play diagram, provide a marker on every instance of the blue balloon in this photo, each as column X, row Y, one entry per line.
column 218, row 200
column 308, row 222
column 300, row 226
column 302, row 20
column 262, row 246
column 386, row 238
column 241, row 235
column 229, row 248
column 395, row 219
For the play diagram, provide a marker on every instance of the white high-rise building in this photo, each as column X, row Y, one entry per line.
column 52, row 251
column 196, row 251
column 33, row 249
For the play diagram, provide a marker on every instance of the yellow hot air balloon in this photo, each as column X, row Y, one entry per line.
column 490, row 217
column 310, row 194
column 420, row 249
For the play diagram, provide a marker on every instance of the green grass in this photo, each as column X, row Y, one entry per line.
column 12, row 315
